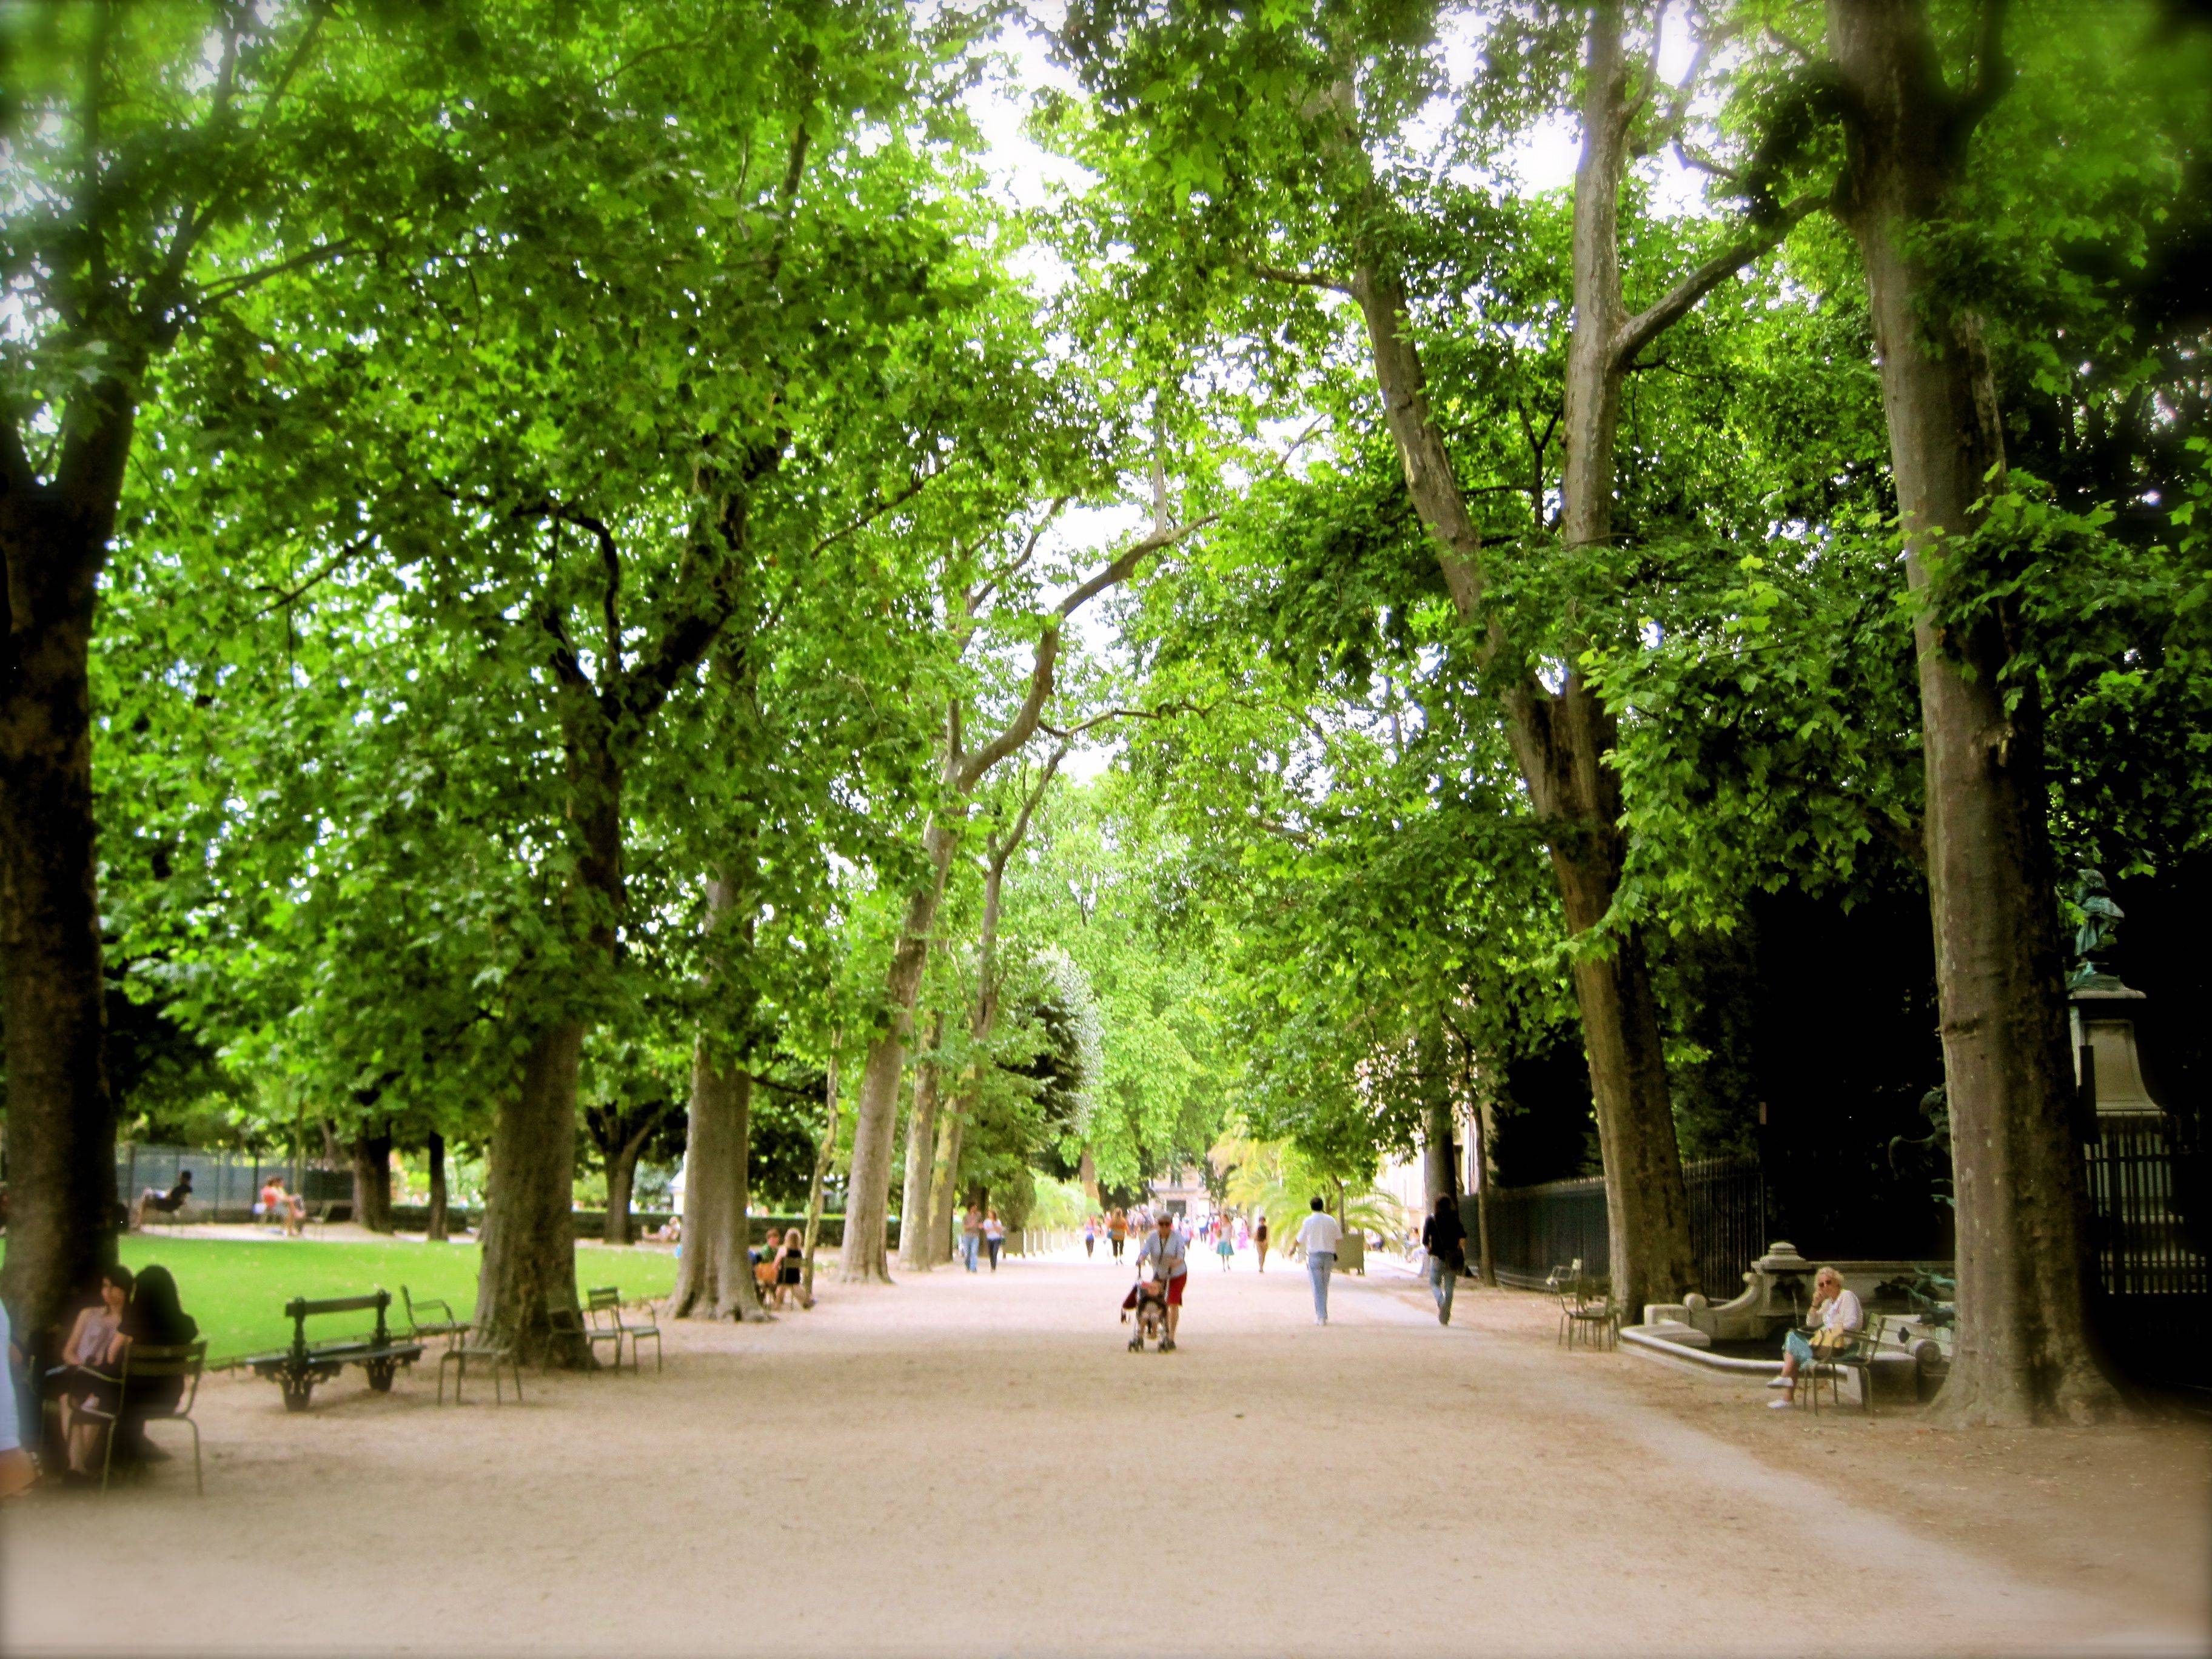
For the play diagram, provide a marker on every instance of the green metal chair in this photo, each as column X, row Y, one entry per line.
column 145, row 1363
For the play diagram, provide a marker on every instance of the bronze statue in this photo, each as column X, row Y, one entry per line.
column 2101, row 925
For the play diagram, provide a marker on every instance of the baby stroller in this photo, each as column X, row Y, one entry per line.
column 1147, row 1304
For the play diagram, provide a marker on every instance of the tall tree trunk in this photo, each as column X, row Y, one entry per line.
column 945, row 1184
column 529, row 1234
column 713, row 1276
column 920, row 1154
column 61, row 1119
column 1087, row 1175
column 867, row 1192
column 1561, row 737
column 2024, row 1353
column 1439, row 1168
column 439, row 1227
column 825, row 1154
column 372, row 1179
column 1560, row 740
column 622, row 1175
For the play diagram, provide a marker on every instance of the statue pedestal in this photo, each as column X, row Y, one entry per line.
column 2101, row 1012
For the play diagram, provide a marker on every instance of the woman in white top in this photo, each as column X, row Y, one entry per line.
column 995, row 1237
column 1834, row 1309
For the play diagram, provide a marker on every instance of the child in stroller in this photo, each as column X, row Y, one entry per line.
column 1147, row 1302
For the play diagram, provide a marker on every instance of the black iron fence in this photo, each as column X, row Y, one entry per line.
column 1536, row 1229
column 2148, row 1185
column 2147, row 1193
column 225, row 1184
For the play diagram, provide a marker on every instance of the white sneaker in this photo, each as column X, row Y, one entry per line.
column 1777, row 1382
column 1779, row 1405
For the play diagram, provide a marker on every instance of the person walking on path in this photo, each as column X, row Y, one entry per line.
column 1443, row 1236
column 1226, row 1248
column 1090, row 1236
column 1260, row 1242
column 1319, row 1235
column 1166, row 1249
column 995, row 1237
column 1117, row 1230
column 971, row 1236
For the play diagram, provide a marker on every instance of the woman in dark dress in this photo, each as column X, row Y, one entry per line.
column 155, row 1319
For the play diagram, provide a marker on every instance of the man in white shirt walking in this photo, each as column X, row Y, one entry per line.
column 1320, row 1235
column 1164, row 1247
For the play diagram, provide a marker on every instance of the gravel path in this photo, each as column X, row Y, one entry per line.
column 975, row 1466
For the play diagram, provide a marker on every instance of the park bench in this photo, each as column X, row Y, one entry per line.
column 297, row 1368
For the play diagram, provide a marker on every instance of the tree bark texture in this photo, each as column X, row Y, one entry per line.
column 1439, row 1168
column 371, row 1157
column 921, row 1152
column 619, row 1134
column 622, row 1175
column 2024, row 1352
column 61, row 1117
column 440, row 1225
column 529, row 1235
column 825, row 1153
column 1560, row 739
column 867, row 1191
column 713, row 1275
column 945, row 1182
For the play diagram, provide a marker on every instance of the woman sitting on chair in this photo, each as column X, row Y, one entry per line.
column 1836, row 1312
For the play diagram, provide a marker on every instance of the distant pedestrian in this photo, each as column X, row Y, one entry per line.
column 1224, row 1246
column 994, row 1236
column 1319, row 1235
column 1090, row 1236
column 1259, row 1241
column 1443, row 1236
column 1117, row 1230
column 1165, row 1250
column 971, row 1236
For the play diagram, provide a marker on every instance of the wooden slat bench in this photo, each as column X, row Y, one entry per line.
column 297, row 1368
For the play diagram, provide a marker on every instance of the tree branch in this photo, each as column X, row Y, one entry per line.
column 1000, row 852
column 330, row 567
column 1648, row 325
column 229, row 287
column 1302, row 278
column 1993, row 72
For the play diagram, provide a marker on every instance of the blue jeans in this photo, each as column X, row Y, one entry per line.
column 968, row 1242
column 1319, row 1264
column 1442, row 1279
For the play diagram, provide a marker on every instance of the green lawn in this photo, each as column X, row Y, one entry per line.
column 237, row 1287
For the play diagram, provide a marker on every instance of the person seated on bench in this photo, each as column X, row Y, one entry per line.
column 1835, row 1311
column 276, row 1207
column 763, row 1261
column 156, row 1318
column 790, row 1265
column 93, row 1342
column 17, row 1471
column 167, row 1203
